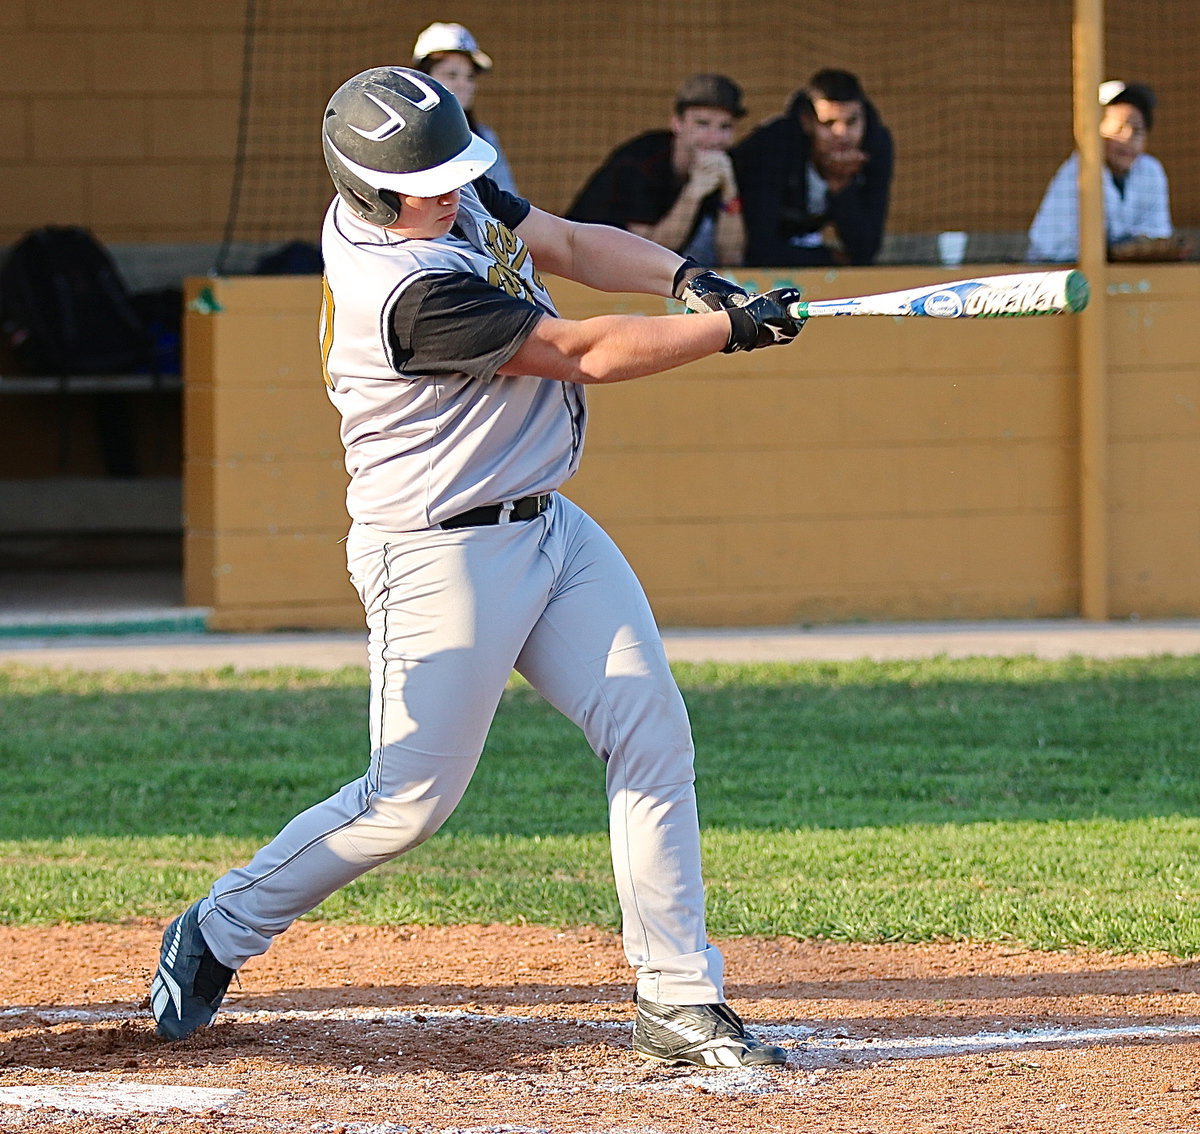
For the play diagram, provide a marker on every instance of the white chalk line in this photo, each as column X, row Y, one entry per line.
column 119, row 1098
column 775, row 1033
column 807, row 1048
column 913, row 1047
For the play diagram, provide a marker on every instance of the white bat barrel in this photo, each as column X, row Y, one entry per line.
column 989, row 297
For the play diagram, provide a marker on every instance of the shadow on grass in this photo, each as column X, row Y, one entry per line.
column 828, row 745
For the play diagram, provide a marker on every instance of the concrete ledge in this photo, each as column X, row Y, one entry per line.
column 91, row 504
column 1048, row 639
column 138, row 624
column 89, row 384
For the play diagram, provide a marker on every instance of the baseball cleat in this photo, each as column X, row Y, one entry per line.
column 709, row 1035
column 190, row 983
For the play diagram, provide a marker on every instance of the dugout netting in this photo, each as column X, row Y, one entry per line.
column 976, row 94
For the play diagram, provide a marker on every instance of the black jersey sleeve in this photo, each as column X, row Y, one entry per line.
column 506, row 207
column 457, row 323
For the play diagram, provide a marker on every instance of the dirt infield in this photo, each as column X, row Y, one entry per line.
column 500, row 1030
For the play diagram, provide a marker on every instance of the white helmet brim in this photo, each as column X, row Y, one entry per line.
column 478, row 157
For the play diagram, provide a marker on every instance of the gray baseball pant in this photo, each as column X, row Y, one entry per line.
column 450, row 614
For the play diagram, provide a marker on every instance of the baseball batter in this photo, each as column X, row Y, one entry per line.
column 461, row 394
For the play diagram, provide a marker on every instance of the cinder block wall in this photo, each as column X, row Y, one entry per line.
column 120, row 115
column 264, row 480
column 1154, row 496
column 877, row 469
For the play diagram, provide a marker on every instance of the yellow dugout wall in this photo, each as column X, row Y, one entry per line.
column 877, row 469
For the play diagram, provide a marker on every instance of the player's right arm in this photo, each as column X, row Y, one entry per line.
column 616, row 348
column 454, row 323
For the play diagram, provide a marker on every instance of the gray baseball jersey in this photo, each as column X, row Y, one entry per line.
column 419, row 344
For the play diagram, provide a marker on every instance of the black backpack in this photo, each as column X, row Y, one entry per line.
column 161, row 312
column 65, row 310
column 297, row 258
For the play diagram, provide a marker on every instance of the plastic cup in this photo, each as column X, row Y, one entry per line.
column 952, row 247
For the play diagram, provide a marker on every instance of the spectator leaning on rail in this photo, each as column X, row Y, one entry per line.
column 677, row 186
column 815, row 181
column 1137, row 209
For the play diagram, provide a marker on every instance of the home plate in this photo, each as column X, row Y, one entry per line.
column 119, row 1098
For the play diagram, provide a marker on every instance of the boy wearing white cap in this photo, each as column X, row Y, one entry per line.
column 450, row 54
column 1137, row 210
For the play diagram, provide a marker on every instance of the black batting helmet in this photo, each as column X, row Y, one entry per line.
column 391, row 132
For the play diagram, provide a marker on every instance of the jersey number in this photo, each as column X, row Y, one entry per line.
column 326, row 328
column 510, row 254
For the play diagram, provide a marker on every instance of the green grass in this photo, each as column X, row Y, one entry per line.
column 1047, row 803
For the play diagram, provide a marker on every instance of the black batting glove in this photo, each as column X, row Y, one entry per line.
column 763, row 320
column 703, row 290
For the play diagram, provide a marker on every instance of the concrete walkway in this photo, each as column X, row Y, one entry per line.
column 1044, row 639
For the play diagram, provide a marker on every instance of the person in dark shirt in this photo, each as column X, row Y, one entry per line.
column 677, row 187
column 815, row 181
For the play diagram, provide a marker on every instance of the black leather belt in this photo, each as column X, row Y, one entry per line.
column 524, row 509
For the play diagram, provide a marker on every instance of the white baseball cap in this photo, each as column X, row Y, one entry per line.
column 1136, row 94
column 449, row 37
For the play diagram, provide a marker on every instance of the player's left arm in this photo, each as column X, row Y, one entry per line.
column 611, row 259
column 599, row 256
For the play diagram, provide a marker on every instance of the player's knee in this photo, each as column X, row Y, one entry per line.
column 641, row 717
column 392, row 827
column 659, row 766
column 389, row 824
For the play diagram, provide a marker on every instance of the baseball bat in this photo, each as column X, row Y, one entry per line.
column 989, row 297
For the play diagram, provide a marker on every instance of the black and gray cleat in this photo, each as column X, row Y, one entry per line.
column 709, row 1035
column 190, row 982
